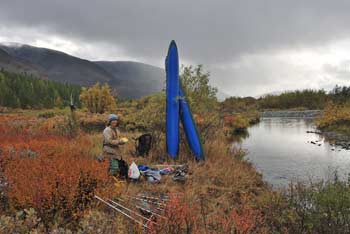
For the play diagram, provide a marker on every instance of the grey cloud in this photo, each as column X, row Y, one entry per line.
column 340, row 71
column 259, row 74
column 207, row 32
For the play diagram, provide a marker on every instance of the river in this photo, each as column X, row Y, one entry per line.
column 281, row 149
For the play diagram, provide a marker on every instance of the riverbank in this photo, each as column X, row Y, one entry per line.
column 291, row 114
column 334, row 124
column 337, row 139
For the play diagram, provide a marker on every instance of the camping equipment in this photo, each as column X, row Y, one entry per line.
column 152, row 176
column 189, row 127
column 113, row 166
column 180, row 173
column 133, row 172
column 166, row 171
column 118, row 166
column 143, row 144
column 125, row 213
column 172, row 103
column 176, row 108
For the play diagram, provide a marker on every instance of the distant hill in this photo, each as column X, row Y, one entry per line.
column 15, row 65
column 129, row 79
column 59, row 66
column 134, row 79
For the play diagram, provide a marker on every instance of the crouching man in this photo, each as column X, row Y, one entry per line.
column 111, row 145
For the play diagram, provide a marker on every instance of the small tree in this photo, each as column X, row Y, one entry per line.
column 202, row 100
column 58, row 102
column 200, row 95
column 98, row 99
column 149, row 116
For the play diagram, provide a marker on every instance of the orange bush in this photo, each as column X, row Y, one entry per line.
column 182, row 216
column 200, row 120
column 334, row 115
column 228, row 120
column 179, row 218
column 242, row 220
column 53, row 174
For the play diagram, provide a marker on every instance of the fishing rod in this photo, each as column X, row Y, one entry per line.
column 131, row 211
column 145, row 200
column 164, row 165
column 150, row 211
column 152, row 198
column 147, row 210
column 120, row 211
column 165, row 196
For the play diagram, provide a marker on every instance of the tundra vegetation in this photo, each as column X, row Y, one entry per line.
column 49, row 172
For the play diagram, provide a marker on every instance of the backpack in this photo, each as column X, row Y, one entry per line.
column 143, row 144
column 123, row 168
column 118, row 166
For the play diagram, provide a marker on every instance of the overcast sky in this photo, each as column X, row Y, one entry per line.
column 249, row 47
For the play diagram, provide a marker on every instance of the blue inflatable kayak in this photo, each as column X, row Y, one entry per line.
column 172, row 100
column 189, row 126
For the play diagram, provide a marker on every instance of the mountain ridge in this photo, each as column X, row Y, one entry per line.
column 129, row 79
column 15, row 65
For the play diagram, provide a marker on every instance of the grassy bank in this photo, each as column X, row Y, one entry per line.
column 238, row 123
column 336, row 118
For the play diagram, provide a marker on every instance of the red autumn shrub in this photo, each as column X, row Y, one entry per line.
column 179, row 217
column 242, row 220
column 228, row 120
column 183, row 216
column 53, row 174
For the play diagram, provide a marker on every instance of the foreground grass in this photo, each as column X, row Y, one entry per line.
column 212, row 188
column 224, row 194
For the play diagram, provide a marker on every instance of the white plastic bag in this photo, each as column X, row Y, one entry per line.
column 134, row 172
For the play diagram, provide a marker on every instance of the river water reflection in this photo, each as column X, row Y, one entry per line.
column 281, row 150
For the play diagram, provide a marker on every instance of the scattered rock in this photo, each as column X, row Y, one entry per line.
column 316, row 132
column 337, row 140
